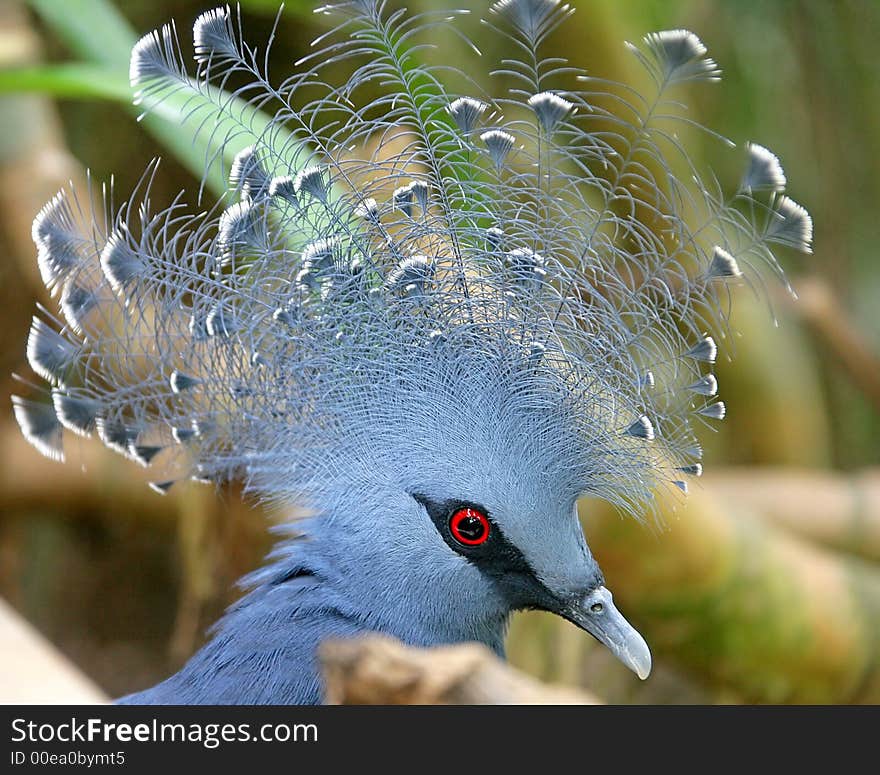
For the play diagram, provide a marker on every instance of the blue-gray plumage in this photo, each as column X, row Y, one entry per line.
column 431, row 320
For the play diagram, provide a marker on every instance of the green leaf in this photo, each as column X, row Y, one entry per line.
column 96, row 31
column 74, row 80
column 93, row 29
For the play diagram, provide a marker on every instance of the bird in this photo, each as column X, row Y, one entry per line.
column 423, row 319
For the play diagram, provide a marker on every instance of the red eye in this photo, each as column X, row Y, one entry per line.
column 469, row 527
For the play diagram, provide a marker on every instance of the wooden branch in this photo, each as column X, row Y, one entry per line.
column 841, row 511
column 33, row 672
column 380, row 671
column 742, row 603
column 828, row 319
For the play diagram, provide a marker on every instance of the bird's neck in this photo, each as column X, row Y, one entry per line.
column 264, row 650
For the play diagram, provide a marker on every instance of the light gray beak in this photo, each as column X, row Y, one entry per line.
column 597, row 615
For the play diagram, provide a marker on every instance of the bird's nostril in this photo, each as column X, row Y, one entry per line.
column 597, row 608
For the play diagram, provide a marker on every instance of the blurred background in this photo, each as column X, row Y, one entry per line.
column 763, row 587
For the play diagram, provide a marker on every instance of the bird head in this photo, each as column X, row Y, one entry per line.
column 454, row 500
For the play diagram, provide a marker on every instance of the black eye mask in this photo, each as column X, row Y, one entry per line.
column 496, row 557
